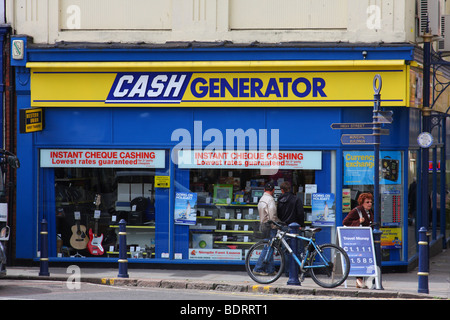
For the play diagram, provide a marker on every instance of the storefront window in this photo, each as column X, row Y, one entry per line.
column 88, row 192
column 222, row 202
column 226, row 216
column 358, row 178
column 434, row 186
column 412, row 202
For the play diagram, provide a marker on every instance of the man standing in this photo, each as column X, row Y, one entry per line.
column 290, row 207
column 289, row 210
column 267, row 210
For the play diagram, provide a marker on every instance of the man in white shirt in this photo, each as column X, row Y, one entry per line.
column 267, row 210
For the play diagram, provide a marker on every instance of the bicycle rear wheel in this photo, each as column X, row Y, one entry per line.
column 332, row 270
column 264, row 263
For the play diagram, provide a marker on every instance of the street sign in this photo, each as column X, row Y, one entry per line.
column 360, row 125
column 356, row 125
column 358, row 139
column 383, row 116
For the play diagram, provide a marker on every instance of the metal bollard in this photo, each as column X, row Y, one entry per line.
column 423, row 261
column 123, row 261
column 44, row 249
column 293, row 267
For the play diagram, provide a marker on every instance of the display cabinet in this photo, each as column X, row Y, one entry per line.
column 140, row 241
column 233, row 226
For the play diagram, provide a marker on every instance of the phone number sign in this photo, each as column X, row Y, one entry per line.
column 358, row 243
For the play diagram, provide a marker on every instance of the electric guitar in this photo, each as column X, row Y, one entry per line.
column 79, row 239
column 95, row 241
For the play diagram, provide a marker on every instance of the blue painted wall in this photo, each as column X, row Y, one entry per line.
column 154, row 126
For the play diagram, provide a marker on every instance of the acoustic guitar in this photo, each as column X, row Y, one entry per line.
column 79, row 239
column 95, row 241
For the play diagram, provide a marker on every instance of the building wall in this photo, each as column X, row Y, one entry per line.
column 156, row 21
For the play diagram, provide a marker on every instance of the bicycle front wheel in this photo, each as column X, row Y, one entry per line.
column 264, row 263
column 330, row 267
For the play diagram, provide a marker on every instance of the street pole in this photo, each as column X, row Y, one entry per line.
column 376, row 182
column 426, row 112
column 426, row 127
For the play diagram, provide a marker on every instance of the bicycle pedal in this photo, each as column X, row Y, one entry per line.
column 302, row 277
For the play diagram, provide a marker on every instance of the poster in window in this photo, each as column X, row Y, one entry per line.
column 185, row 208
column 359, row 167
column 323, row 209
column 391, row 167
column 391, row 238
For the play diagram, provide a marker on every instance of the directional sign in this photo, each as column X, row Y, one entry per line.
column 356, row 125
column 359, row 125
column 358, row 139
column 383, row 116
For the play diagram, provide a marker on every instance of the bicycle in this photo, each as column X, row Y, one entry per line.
column 328, row 264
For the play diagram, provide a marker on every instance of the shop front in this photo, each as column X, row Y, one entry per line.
column 181, row 151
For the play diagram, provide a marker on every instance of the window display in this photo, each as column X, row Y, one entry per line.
column 93, row 191
column 214, row 211
column 226, row 208
column 90, row 203
column 358, row 178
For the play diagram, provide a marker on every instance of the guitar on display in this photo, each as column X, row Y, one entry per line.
column 79, row 238
column 95, row 241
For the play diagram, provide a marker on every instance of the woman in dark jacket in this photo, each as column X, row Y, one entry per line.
column 361, row 216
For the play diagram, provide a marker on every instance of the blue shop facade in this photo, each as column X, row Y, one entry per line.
column 178, row 142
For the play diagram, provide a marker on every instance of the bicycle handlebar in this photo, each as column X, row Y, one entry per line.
column 278, row 224
column 282, row 226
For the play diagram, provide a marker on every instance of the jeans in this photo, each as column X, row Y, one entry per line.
column 268, row 265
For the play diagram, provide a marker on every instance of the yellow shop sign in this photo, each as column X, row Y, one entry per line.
column 31, row 120
column 217, row 84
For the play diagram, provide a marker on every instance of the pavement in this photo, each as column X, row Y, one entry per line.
column 394, row 285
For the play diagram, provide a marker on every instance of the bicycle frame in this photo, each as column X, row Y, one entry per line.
column 302, row 264
column 328, row 264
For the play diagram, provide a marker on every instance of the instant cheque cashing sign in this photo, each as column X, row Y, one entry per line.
column 216, row 84
column 101, row 158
